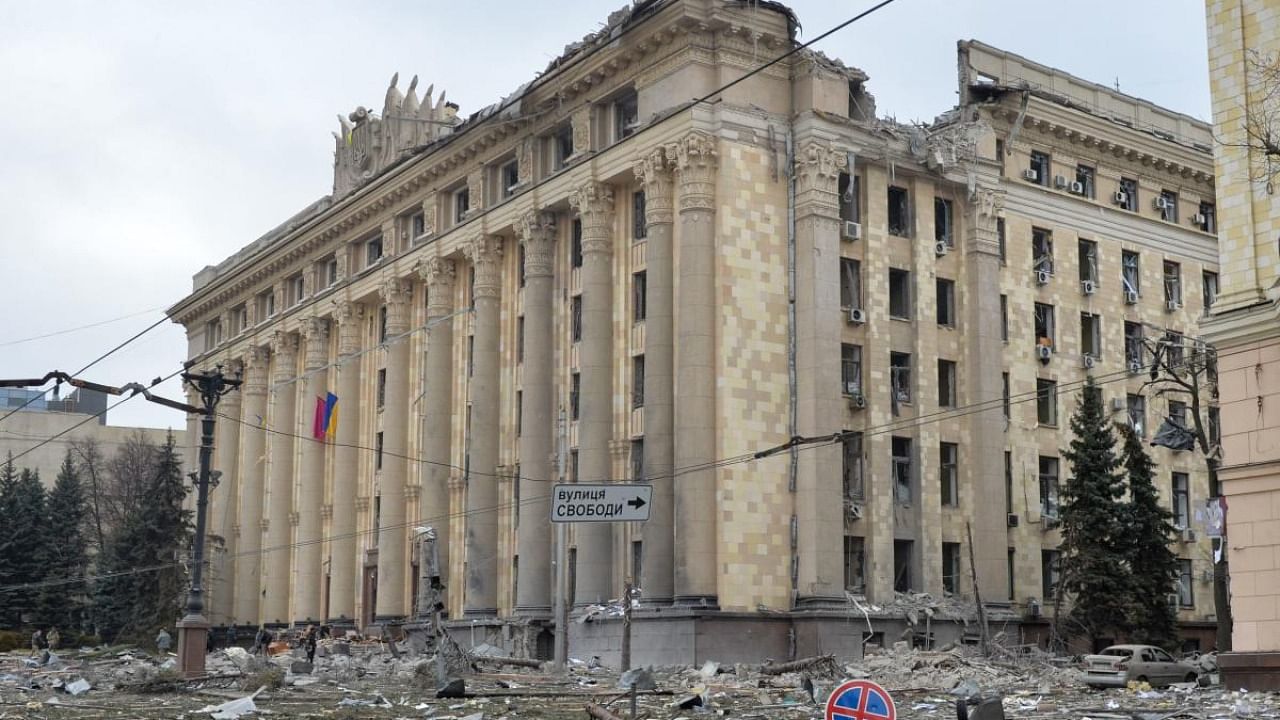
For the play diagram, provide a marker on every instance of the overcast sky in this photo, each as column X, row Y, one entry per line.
column 147, row 139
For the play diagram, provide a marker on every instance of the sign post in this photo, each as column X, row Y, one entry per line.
column 611, row 502
column 860, row 700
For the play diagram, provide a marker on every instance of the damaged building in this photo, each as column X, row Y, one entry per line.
column 621, row 272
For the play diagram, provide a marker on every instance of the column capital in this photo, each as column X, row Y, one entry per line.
column 349, row 316
column 654, row 171
column 695, row 158
column 284, row 346
column 818, row 167
column 485, row 252
column 255, row 371
column 593, row 202
column 538, row 235
column 439, row 274
column 397, row 293
column 316, row 331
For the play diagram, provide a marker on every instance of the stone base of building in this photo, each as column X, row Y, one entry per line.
column 1253, row 671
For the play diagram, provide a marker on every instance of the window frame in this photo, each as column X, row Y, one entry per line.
column 1046, row 402
column 850, row 368
column 1042, row 163
column 899, row 199
column 945, row 302
column 949, row 474
column 1049, row 472
column 902, row 280
column 948, row 377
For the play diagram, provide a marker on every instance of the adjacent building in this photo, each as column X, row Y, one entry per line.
column 1244, row 38
column 597, row 279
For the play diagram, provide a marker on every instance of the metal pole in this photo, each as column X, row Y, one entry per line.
column 562, row 560
column 625, row 665
column 195, row 596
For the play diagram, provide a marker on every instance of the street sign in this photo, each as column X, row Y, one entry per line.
column 613, row 502
column 860, row 700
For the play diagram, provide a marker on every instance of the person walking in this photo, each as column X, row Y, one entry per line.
column 55, row 639
column 37, row 642
column 261, row 640
column 309, row 641
column 231, row 635
column 163, row 641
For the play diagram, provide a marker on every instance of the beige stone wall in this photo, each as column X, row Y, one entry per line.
column 27, row 429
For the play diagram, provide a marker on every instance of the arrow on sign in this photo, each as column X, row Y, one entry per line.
column 636, row 503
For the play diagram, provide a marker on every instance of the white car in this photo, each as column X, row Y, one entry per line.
column 1117, row 665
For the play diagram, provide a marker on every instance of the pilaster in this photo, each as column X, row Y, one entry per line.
column 481, row 597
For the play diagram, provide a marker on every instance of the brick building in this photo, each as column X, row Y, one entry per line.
column 690, row 284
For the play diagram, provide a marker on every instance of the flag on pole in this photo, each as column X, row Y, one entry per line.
column 317, row 423
column 330, row 414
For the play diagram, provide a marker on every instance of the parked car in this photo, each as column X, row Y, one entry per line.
column 1119, row 664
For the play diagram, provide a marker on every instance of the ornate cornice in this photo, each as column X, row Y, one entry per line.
column 538, row 234
column 397, row 294
column 485, row 253
column 593, row 202
column 695, row 159
column 439, row 274
column 316, row 331
column 654, row 171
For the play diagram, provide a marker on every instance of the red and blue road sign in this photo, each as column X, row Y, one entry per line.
column 860, row 700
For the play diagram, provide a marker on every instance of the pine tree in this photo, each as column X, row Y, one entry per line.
column 1149, row 527
column 65, row 553
column 1095, row 574
column 8, row 540
column 143, row 581
column 24, row 535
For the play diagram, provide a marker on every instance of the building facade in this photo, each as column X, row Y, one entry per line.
column 598, row 280
column 1244, row 35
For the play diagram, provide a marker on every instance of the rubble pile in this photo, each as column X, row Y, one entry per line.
column 358, row 679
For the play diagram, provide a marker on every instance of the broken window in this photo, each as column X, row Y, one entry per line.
column 1173, row 349
column 1049, row 487
column 1042, row 250
column 851, row 467
column 461, row 204
column 1091, row 334
column 900, row 376
column 1041, row 167
column 850, row 283
column 1208, row 218
column 1128, row 196
column 851, row 369
column 1008, row 481
column 373, row 251
column 1046, row 402
column 943, row 222
column 1012, row 563
column 854, row 565
column 1133, row 345
column 949, row 475
column 1181, row 500
column 377, row 451
column 902, row 552
column 899, row 212
column 637, row 382
column 1044, row 325
column 1084, row 176
column 575, row 395
column 1004, row 317
column 902, row 470
column 951, row 568
column 639, row 230
column 1186, row 591
column 1005, row 400
column 1172, row 284
column 575, row 243
column 626, row 115
column 1130, row 276
column 946, row 383
column 1178, row 411
column 1167, row 204
column 639, row 295
column 850, row 205
column 575, row 318
column 1136, row 406
column 1000, row 239
column 382, row 323
column 946, row 302
column 899, row 294
column 382, row 387
column 561, row 146
column 1209, row 288
column 861, row 105
column 637, row 459
column 509, row 178
column 519, row 425
column 1088, row 254
column 1050, row 561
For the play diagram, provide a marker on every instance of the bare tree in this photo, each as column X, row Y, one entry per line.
column 92, row 467
column 1261, row 123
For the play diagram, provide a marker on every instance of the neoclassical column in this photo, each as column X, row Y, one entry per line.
column 222, row 507
column 284, row 391
column 343, row 576
column 481, row 596
column 437, row 402
column 309, row 575
column 253, row 435
column 820, row 405
column 696, row 573
column 594, row 204
column 657, row 571
column 397, row 294
column 533, row 586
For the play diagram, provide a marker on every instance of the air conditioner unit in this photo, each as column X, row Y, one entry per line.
column 1042, row 277
column 1030, row 175
column 1117, row 404
column 1172, row 305
column 1033, row 607
column 1188, row 535
column 1160, row 202
column 1077, row 188
column 1120, row 198
column 857, row 316
column 1198, row 219
column 1060, row 182
column 1130, row 297
column 941, row 248
column 1088, row 287
column 1087, row 361
column 1135, row 367
column 1012, row 519
column 857, row 400
column 1044, row 352
column 851, row 230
